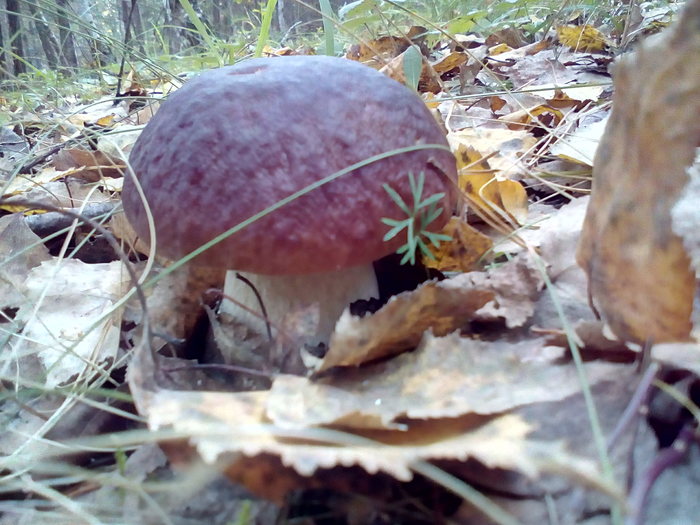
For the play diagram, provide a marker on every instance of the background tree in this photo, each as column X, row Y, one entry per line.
column 15, row 37
column 3, row 55
column 133, row 24
column 49, row 44
column 68, row 54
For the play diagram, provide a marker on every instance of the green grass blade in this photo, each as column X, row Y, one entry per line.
column 265, row 27
column 328, row 27
column 412, row 65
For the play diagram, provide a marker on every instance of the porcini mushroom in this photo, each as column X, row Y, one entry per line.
column 238, row 139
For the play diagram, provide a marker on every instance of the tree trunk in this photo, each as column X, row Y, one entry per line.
column 177, row 24
column 216, row 18
column 68, row 55
column 280, row 17
column 3, row 55
column 133, row 25
column 15, row 37
column 48, row 41
column 137, row 30
column 100, row 50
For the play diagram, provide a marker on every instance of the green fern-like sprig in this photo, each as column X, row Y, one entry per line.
column 418, row 217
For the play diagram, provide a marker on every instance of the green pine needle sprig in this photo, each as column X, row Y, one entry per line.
column 418, row 218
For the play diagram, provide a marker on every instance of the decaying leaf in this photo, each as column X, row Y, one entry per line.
column 639, row 272
column 444, row 377
column 516, row 285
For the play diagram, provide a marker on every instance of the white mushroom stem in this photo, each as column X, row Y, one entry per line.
column 284, row 294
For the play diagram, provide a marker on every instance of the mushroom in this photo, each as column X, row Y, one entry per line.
column 236, row 140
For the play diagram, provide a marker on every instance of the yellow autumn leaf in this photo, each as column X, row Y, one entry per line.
column 523, row 118
column 451, row 61
column 463, row 252
column 513, row 199
column 485, row 192
column 499, row 49
column 582, row 38
column 106, row 122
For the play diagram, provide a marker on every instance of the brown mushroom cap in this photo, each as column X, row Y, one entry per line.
column 236, row 140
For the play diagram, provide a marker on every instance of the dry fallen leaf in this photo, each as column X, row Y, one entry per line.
column 639, row 272
column 444, row 377
column 376, row 53
column 504, row 148
column 449, row 62
column 488, row 191
column 399, row 325
column 463, row 252
column 506, row 293
column 70, row 324
column 582, row 38
column 516, row 285
column 90, row 166
column 25, row 252
column 542, row 115
column 230, row 428
column 581, row 145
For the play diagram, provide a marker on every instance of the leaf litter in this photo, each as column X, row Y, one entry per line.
column 471, row 372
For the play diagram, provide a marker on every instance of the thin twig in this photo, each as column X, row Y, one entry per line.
column 665, row 459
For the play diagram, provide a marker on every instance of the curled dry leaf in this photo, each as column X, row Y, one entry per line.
column 505, row 293
column 639, row 273
column 399, row 325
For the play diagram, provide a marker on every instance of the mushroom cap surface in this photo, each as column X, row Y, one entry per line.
column 238, row 139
